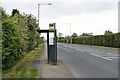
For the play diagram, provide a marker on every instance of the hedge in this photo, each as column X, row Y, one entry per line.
column 19, row 36
column 108, row 40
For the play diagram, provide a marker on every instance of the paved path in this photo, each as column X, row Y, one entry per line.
column 89, row 62
column 50, row 71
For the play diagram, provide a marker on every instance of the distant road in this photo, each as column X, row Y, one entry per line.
column 89, row 62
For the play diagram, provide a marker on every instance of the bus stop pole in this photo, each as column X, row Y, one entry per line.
column 48, row 45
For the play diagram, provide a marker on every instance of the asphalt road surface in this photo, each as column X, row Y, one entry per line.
column 89, row 62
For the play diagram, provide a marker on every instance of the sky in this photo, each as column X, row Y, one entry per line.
column 85, row 16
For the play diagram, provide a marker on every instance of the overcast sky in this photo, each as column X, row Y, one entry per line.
column 85, row 16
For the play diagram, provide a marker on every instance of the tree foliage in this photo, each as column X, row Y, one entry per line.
column 108, row 40
column 87, row 34
column 74, row 35
column 19, row 36
column 15, row 11
column 60, row 35
column 108, row 32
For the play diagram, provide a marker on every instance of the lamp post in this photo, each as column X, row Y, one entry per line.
column 39, row 10
column 70, row 31
column 39, row 17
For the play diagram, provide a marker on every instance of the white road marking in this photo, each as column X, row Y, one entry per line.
column 101, row 56
column 66, row 46
column 109, row 53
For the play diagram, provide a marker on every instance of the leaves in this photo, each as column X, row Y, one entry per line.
column 108, row 40
column 19, row 36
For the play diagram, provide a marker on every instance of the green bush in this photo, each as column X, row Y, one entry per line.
column 77, row 40
column 62, row 40
column 117, row 40
column 10, row 42
column 88, row 40
column 19, row 36
column 108, row 40
column 97, row 40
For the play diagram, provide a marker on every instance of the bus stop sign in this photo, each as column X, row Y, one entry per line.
column 52, row 43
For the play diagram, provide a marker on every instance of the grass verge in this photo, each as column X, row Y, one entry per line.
column 110, row 48
column 23, row 68
column 55, row 64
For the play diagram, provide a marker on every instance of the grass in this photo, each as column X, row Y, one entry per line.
column 23, row 68
column 55, row 63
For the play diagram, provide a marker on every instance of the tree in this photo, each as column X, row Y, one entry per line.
column 27, row 26
column 87, row 34
column 15, row 11
column 19, row 32
column 60, row 35
column 84, row 34
column 74, row 34
column 108, row 32
column 90, row 34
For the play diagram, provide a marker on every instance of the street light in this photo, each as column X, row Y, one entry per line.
column 39, row 10
column 38, row 19
column 70, row 31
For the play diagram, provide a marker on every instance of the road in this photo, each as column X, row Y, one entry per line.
column 89, row 62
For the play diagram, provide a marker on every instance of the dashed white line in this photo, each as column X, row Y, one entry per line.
column 65, row 46
column 109, row 53
column 101, row 56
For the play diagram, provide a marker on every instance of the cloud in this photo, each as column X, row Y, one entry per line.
column 86, row 23
column 85, row 15
column 73, row 1
column 60, row 7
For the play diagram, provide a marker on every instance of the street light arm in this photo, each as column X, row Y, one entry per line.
column 45, row 4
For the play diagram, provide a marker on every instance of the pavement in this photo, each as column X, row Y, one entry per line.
column 48, row 70
column 89, row 62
